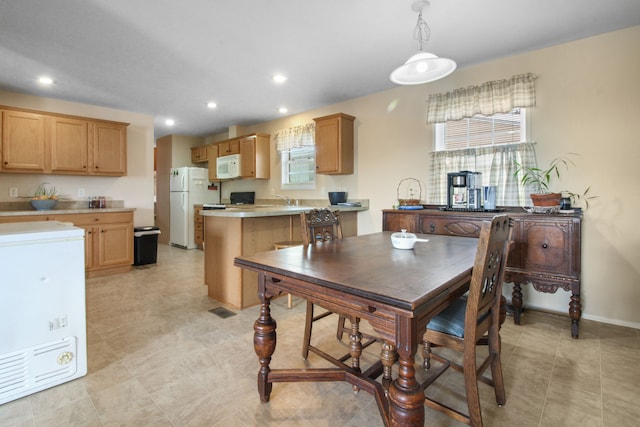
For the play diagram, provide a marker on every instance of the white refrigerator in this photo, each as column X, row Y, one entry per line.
column 188, row 186
column 42, row 307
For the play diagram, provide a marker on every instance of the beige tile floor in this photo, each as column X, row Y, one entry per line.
column 158, row 357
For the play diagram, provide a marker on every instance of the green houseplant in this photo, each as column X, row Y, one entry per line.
column 540, row 179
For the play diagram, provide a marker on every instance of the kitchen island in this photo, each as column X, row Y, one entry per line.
column 246, row 230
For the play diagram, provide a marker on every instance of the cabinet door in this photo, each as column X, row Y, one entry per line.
column 248, row 157
column 109, row 149
column 229, row 147
column 23, row 142
column 89, row 244
column 392, row 221
column 551, row 247
column 199, row 154
column 212, row 156
column 334, row 144
column 69, row 145
column 115, row 244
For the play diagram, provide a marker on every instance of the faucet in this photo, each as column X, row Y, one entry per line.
column 286, row 199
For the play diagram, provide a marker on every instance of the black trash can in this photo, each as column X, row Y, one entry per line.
column 145, row 245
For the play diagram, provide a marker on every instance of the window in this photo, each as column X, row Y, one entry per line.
column 487, row 144
column 480, row 131
column 299, row 168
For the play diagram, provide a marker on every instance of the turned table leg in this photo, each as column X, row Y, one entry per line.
column 264, row 343
column 355, row 347
column 388, row 356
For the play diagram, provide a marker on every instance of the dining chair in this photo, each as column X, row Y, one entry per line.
column 321, row 226
column 473, row 320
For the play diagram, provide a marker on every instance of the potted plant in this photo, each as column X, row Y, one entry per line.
column 539, row 179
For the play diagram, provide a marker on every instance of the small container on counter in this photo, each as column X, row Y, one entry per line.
column 102, row 202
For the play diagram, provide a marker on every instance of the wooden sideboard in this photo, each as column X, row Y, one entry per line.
column 545, row 250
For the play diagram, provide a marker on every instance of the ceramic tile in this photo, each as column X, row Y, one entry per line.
column 158, row 357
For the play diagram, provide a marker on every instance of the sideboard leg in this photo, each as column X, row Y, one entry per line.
column 575, row 312
column 516, row 301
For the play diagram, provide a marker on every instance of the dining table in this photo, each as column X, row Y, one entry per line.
column 397, row 291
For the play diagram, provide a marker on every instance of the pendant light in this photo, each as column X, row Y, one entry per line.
column 423, row 67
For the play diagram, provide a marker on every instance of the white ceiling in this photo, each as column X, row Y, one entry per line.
column 168, row 58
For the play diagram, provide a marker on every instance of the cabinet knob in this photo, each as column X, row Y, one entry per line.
column 432, row 228
column 545, row 246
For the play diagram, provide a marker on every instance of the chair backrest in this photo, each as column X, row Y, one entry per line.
column 320, row 225
column 483, row 303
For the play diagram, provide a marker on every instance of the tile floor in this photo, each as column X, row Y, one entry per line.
column 158, row 357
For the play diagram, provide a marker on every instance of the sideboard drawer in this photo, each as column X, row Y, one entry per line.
column 465, row 227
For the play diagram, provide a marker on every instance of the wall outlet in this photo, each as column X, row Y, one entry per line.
column 13, row 192
column 80, row 192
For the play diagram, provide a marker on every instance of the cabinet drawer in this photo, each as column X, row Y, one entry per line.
column 97, row 218
column 465, row 227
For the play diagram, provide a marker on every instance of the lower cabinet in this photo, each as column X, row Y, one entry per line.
column 545, row 249
column 108, row 238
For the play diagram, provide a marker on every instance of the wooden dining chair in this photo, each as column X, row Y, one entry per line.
column 473, row 320
column 321, row 226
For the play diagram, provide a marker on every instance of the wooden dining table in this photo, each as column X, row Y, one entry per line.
column 396, row 291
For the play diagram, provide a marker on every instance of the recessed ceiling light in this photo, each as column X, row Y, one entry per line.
column 279, row 78
column 212, row 104
column 44, row 80
column 170, row 122
column 282, row 110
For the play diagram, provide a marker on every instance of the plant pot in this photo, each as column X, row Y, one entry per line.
column 546, row 199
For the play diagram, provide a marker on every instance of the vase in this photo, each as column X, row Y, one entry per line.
column 546, row 199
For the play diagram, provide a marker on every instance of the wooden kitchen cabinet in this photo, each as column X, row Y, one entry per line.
column 231, row 146
column 545, row 249
column 69, row 145
column 212, row 156
column 334, row 144
column 109, row 149
column 108, row 238
column 254, row 157
column 199, row 154
column 23, row 142
column 198, row 226
column 49, row 143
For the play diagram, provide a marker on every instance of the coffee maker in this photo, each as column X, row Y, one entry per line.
column 464, row 190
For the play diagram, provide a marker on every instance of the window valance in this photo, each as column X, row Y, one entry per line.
column 295, row 137
column 498, row 96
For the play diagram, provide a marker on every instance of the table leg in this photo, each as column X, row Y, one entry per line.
column 388, row 356
column 406, row 398
column 264, row 343
column 516, row 301
column 355, row 347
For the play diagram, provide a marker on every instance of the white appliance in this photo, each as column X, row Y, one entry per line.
column 42, row 307
column 188, row 187
column 228, row 167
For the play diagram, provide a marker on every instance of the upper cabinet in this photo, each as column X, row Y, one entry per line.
column 69, row 147
column 109, row 149
column 254, row 156
column 23, row 142
column 36, row 142
column 212, row 157
column 334, row 144
column 199, row 154
column 226, row 148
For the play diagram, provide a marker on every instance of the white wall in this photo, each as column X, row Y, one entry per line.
column 136, row 189
column 588, row 98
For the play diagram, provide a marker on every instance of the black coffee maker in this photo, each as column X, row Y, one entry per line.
column 464, row 190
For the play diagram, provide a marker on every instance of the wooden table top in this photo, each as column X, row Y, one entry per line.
column 370, row 267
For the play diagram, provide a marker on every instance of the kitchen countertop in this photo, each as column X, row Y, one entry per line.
column 252, row 211
column 64, row 211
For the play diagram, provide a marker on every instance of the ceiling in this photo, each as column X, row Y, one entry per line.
column 169, row 58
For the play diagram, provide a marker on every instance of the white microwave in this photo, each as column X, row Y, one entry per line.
column 228, row 167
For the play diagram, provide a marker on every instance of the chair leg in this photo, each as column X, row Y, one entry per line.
column 471, row 386
column 340, row 330
column 308, row 322
column 496, row 367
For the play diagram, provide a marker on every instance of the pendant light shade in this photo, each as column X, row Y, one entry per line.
column 423, row 67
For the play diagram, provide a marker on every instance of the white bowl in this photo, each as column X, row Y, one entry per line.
column 404, row 240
